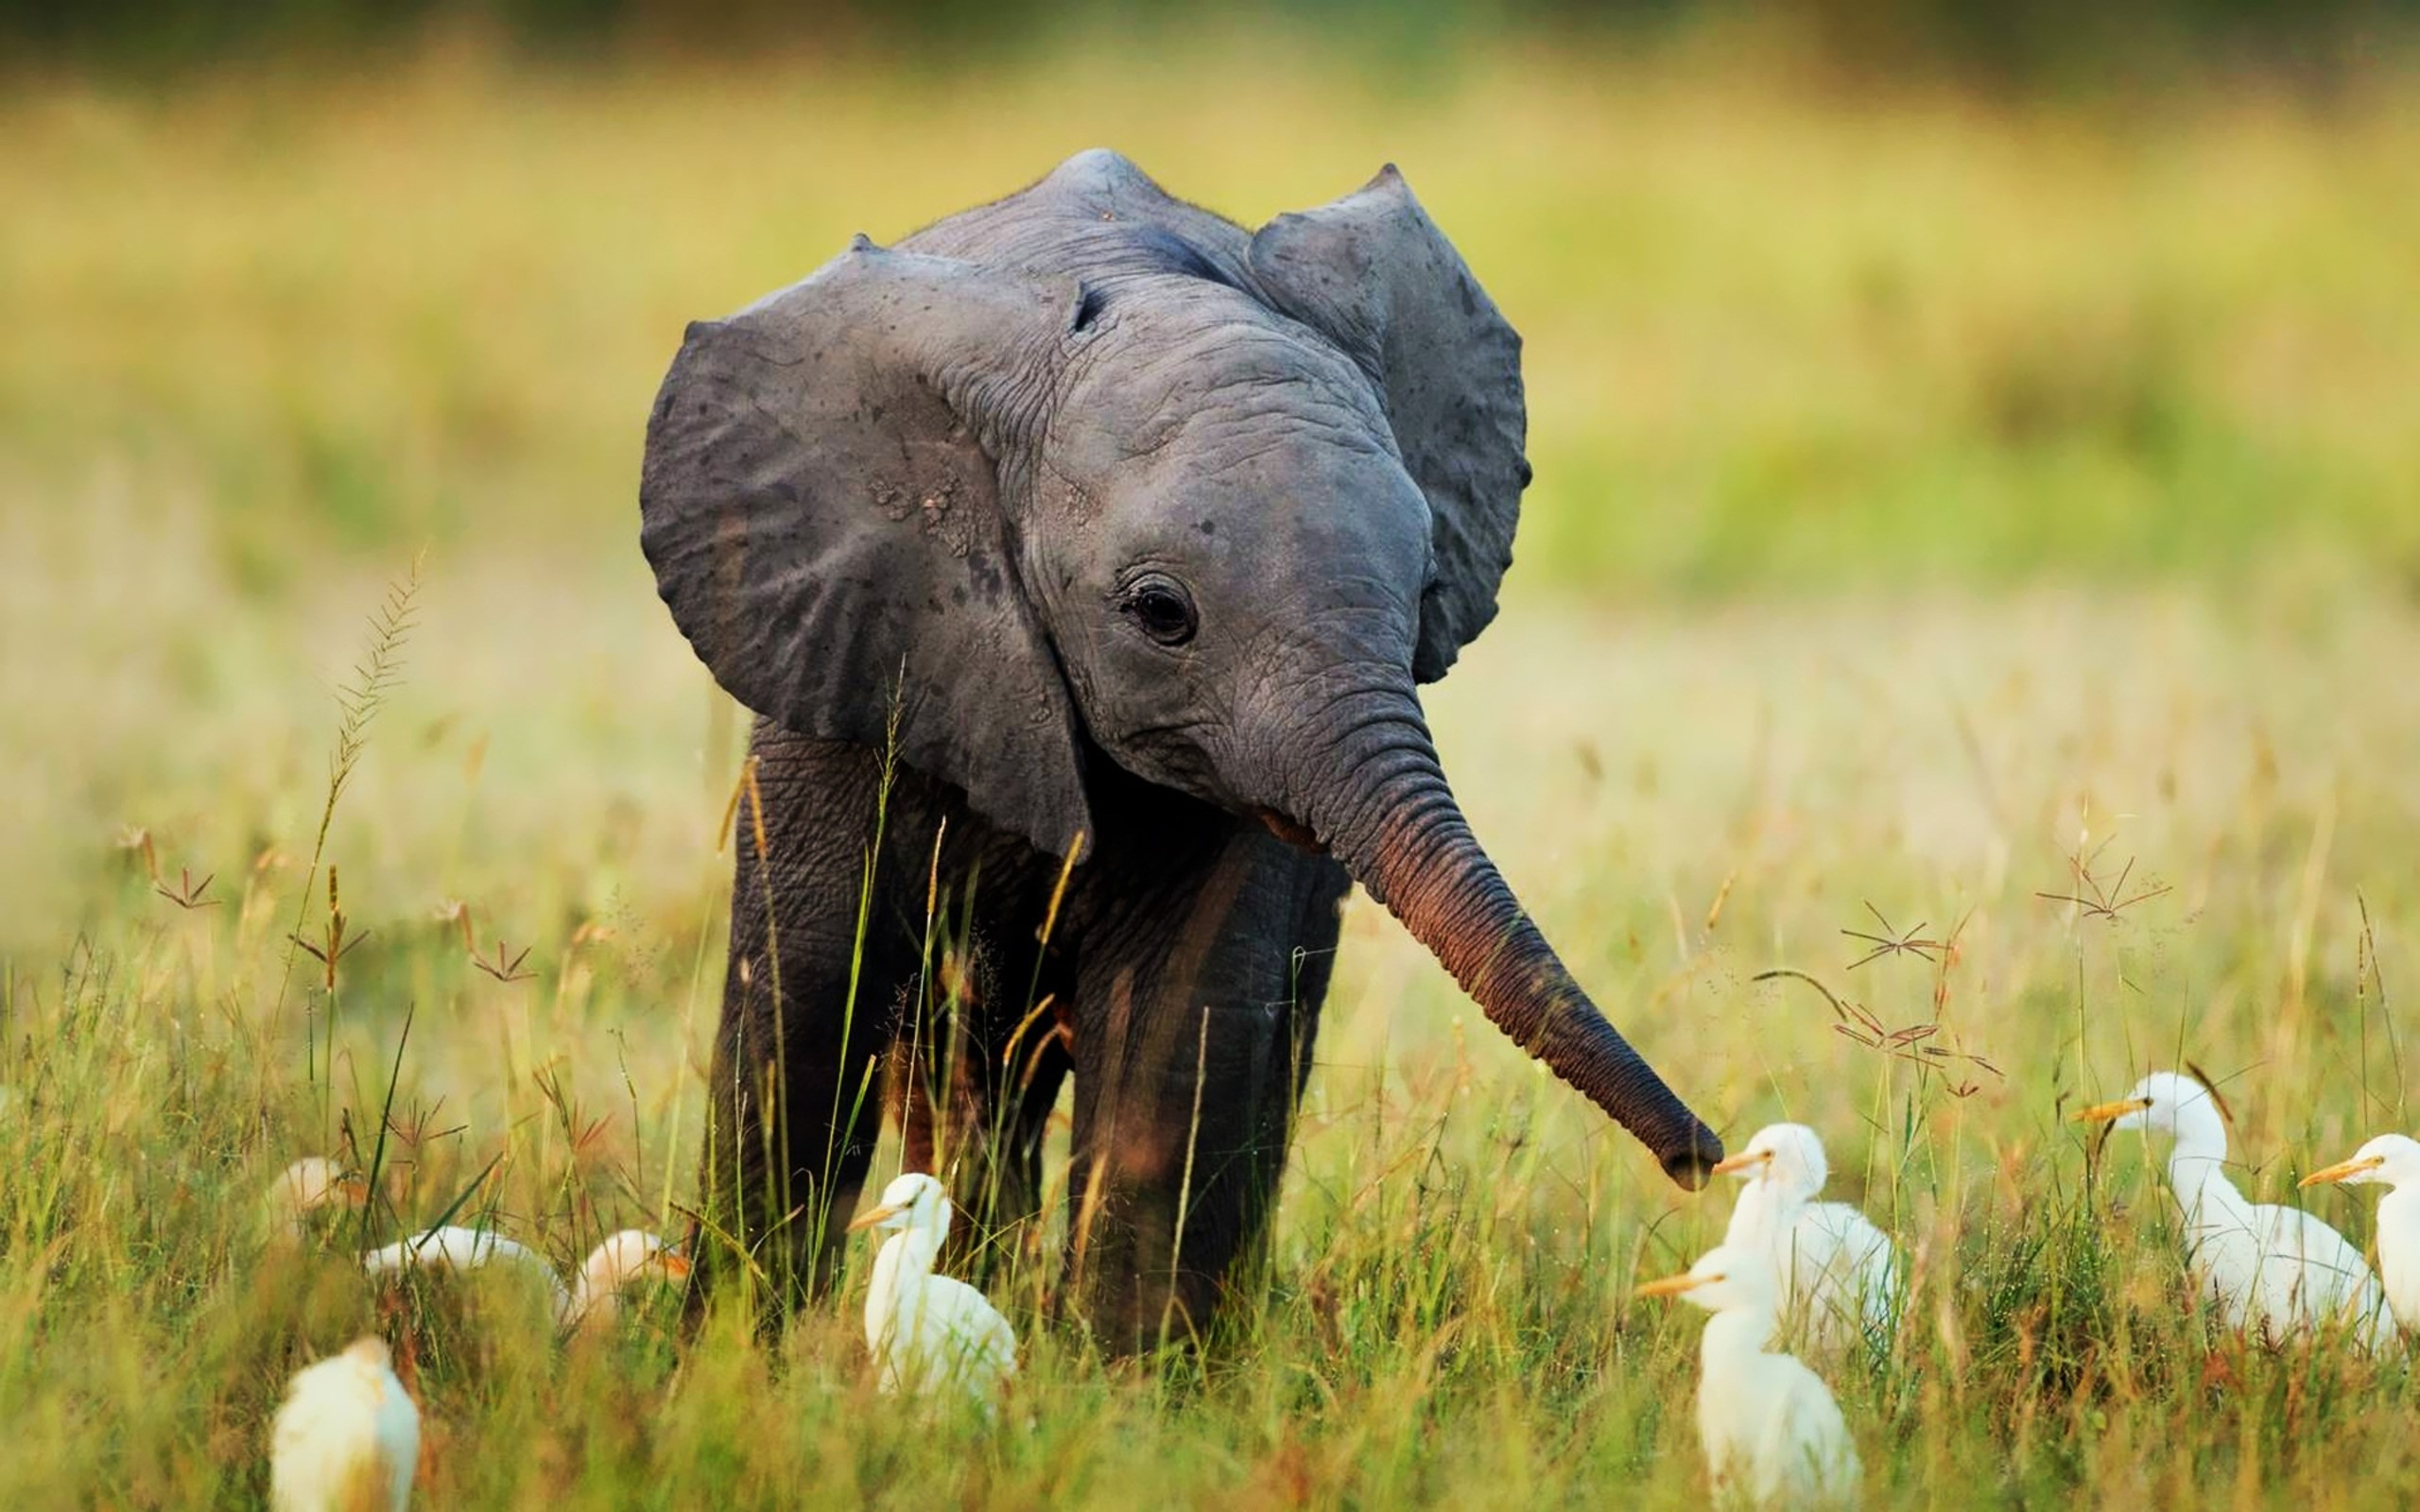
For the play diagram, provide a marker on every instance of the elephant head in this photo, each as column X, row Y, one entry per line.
column 1091, row 474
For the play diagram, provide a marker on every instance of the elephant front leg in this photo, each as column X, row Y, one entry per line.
column 974, row 1078
column 1188, row 1064
column 794, row 1106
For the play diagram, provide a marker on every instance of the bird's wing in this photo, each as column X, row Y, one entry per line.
column 1751, row 1215
column 399, row 1442
column 1843, row 1270
column 460, row 1248
column 1810, row 1436
column 972, row 1333
column 385, row 1258
column 2333, row 1275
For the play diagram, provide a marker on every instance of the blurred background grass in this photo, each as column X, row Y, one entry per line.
column 1826, row 305
column 1790, row 328
column 1853, row 303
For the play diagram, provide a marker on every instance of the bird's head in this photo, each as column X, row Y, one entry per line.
column 315, row 1181
column 630, row 1256
column 913, row 1203
column 312, row 1185
column 2165, row 1102
column 1724, row 1278
column 1790, row 1155
column 626, row 1260
column 2391, row 1158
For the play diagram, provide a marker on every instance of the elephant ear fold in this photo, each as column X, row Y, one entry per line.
column 822, row 506
column 1374, row 274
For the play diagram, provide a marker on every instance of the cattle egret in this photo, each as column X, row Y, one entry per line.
column 2395, row 1160
column 458, row 1250
column 2272, row 1271
column 622, row 1261
column 347, row 1438
column 306, row 1187
column 929, row 1333
column 1828, row 1264
column 1768, row 1425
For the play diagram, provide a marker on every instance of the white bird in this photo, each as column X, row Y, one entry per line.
column 458, row 1250
column 929, row 1333
column 2395, row 1160
column 347, row 1438
column 1829, row 1264
column 2272, row 1271
column 306, row 1187
column 623, row 1259
column 1769, row 1424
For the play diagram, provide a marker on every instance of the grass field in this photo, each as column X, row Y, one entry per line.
column 1930, row 495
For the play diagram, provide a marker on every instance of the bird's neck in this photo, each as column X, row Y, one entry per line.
column 1734, row 1336
column 901, row 1267
column 1763, row 1211
column 592, row 1296
column 2399, row 1238
column 2197, row 1169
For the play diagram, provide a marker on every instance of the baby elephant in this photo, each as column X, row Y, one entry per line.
column 1080, row 558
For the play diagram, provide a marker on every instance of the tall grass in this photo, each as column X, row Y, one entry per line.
column 1444, row 1318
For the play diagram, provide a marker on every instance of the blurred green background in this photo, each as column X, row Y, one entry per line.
column 1867, row 302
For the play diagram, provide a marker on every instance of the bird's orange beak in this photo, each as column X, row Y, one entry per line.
column 1742, row 1160
column 675, row 1264
column 2103, row 1113
column 869, row 1218
column 1675, row 1286
column 2342, row 1169
column 352, row 1189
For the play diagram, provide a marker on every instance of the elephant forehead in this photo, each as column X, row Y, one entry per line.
column 1207, row 378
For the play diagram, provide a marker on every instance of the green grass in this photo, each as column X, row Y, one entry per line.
column 1448, row 1321
column 1927, row 493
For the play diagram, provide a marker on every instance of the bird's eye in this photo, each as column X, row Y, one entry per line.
column 1162, row 608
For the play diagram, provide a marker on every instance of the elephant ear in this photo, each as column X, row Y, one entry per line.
column 820, row 504
column 1374, row 274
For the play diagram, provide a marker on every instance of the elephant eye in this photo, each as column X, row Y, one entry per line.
column 1160, row 605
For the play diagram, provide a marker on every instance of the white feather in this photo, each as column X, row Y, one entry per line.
column 930, row 1333
column 2274, row 1273
column 347, row 1438
column 2394, row 1162
column 1829, row 1265
column 1768, row 1424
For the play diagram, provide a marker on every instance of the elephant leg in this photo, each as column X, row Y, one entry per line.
column 795, row 1103
column 1192, row 1042
column 982, row 1065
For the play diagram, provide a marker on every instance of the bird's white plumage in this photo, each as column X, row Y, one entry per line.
column 594, row 1298
column 1768, row 1425
column 347, row 1438
column 461, row 1250
column 625, row 1260
column 930, row 1333
column 2273, row 1272
column 306, row 1187
column 2393, row 1161
column 1831, row 1266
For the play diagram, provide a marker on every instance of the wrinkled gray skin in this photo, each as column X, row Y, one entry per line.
column 1131, row 532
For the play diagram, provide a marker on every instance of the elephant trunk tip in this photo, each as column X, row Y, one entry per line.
column 1690, row 1163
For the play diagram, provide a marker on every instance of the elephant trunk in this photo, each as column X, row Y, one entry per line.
column 1380, row 802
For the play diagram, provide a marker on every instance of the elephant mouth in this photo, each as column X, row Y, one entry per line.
column 1297, row 834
